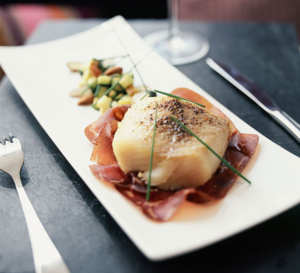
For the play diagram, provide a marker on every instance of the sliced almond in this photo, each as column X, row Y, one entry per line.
column 87, row 98
column 76, row 92
column 95, row 70
column 75, row 66
column 114, row 70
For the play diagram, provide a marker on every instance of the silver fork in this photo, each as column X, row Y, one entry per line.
column 45, row 255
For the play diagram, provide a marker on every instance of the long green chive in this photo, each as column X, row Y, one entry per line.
column 96, row 94
column 88, row 87
column 134, row 65
column 144, row 95
column 177, row 97
column 113, row 57
column 112, row 64
column 98, row 86
column 151, row 157
column 222, row 159
column 112, row 87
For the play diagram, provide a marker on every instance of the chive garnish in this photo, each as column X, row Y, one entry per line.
column 144, row 95
column 151, row 157
column 209, row 148
column 113, row 64
column 98, row 86
column 88, row 87
column 134, row 65
column 112, row 87
column 177, row 97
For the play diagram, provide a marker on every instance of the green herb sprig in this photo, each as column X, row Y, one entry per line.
column 151, row 157
column 134, row 65
column 88, row 87
column 209, row 148
column 120, row 57
column 177, row 97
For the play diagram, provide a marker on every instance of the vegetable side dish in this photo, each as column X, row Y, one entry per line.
column 103, row 84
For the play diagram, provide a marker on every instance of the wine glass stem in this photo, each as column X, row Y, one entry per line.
column 173, row 18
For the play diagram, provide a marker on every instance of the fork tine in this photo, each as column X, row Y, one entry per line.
column 9, row 138
column 3, row 139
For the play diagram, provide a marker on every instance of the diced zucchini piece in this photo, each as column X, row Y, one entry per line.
column 118, row 96
column 85, row 76
column 100, row 91
column 95, row 101
column 104, row 80
column 92, row 82
column 114, row 81
column 126, row 80
column 103, row 104
column 125, row 100
column 114, row 104
column 112, row 93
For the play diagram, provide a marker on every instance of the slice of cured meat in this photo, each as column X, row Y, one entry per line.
column 117, row 113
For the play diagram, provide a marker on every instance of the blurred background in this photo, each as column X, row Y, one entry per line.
column 19, row 18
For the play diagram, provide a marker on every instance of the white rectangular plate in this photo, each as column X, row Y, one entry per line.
column 40, row 75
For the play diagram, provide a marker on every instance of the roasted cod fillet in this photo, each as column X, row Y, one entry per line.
column 180, row 160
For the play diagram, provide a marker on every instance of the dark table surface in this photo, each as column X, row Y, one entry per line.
column 84, row 233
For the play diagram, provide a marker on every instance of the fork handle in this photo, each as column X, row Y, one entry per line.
column 45, row 255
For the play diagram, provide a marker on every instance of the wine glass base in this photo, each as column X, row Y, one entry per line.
column 180, row 49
